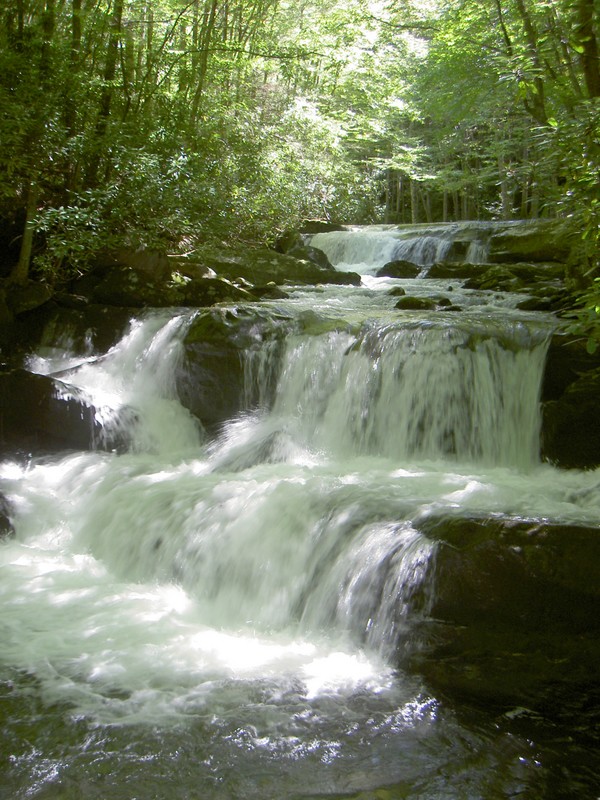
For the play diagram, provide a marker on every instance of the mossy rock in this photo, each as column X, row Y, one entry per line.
column 535, row 240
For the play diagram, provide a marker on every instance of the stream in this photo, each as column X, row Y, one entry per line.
column 240, row 614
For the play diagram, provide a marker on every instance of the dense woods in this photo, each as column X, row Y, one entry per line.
column 167, row 124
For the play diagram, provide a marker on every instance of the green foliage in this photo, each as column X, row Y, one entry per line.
column 167, row 124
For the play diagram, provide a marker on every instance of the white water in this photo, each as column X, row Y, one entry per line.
column 365, row 250
column 173, row 583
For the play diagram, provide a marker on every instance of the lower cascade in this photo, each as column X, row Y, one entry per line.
column 252, row 612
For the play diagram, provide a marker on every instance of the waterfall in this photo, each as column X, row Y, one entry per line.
column 133, row 385
column 411, row 390
column 234, row 615
column 365, row 250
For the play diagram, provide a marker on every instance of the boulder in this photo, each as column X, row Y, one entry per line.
column 531, row 241
column 571, row 425
column 306, row 252
column 210, row 378
column 40, row 414
column 570, row 435
column 514, row 611
column 25, row 297
column 495, row 279
column 154, row 263
column 398, row 269
column 69, row 321
column 321, row 226
column 451, row 271
column 6, row 526
column 261, row 266
column 410, row 303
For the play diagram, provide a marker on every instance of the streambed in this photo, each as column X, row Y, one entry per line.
column 257, row 612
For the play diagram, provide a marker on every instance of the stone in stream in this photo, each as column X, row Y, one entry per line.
column 514, row 618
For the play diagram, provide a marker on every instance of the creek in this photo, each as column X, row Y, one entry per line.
column 240, row 614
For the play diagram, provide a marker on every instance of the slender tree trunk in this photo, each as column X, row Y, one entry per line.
column 20, row 272
column 590, row 57
column 204, row 42
column 106, row 97
column 414, row 202
column 505, row 193
column 536, row 102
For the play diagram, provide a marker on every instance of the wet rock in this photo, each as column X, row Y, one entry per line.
column 571, row 425
column 262, row 266
column 570, row 435
column 25, row 297
column 309, row 253
column 269, row 292
column 40, row 414
column 292, row 243
column 398, row 269
column 210, row 377
column 545, row 297
column 524, row 572
column 70, row 322
column 154, row 263
column 496, row 279
column 6, row 526
column 288, row 240
column 445, row 270
column 515, row 610
column 536, row 240
column 321, row 226
column 397, row 291
column 204, row 292
column 410, row 303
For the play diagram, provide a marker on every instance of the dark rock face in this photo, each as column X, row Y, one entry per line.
column 36, row 419
column 39, row 415
column 88, row 328
column 262, row 266
column 451, row 271
column 131, row 288
column 571, row 425
column 410, row 303
column 398, row 269
column 6, row 526
column 515, row 614
column 534, row 241
column 320, row 226
column 21, row 298
column 210, row 380
column 571, row 405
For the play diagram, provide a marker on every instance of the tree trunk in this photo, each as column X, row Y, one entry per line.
column 590, row 57
column 414, row 202
column 536, row 102
column 20, row 272
column 206, row 34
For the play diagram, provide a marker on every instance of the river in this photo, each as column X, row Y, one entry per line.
column 227, row 616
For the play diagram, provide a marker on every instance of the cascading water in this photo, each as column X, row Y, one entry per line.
column 422, row 245
column 228, row 617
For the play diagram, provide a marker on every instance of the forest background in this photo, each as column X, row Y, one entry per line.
column 170, row 124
